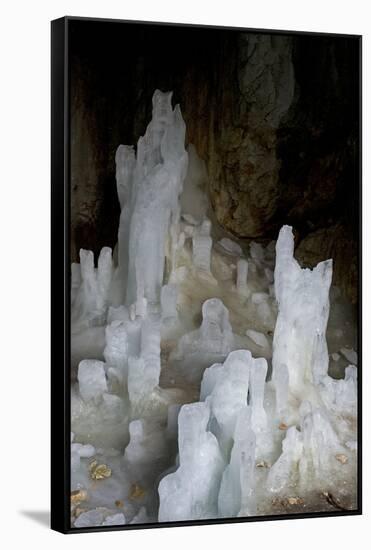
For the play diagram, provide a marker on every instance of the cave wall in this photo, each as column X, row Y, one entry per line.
column 275, row 117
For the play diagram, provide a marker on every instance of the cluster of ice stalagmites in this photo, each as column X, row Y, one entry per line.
column 175, row 413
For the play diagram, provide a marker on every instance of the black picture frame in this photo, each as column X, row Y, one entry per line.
column 60, row 284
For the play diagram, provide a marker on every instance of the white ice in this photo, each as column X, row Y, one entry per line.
column 192, row 491
column 92, row 379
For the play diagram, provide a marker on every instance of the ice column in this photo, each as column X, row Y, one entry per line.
column 92, row 380
column 149, row 187
column 242, row 271
column 116, row 350
column 91, row 302
column 192, row 491
column 144, row 371
column 320, row 444
column 285, row 467
column 169, row 296
column 303, row 306
column 229, row 395
column 281, row 383
column 340, row 396
column 216, row 329
column 237, row 489
column 202, row 243
column 75, row 281
column 258, row 373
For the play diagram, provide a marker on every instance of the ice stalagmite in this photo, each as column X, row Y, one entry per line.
column 92, row 379
column 212, row 342
column 192, row 491
column 237, row 489
column 116, row 350
column 202, row 243
column 229, row 395
column 215, row 334
column 340, row 396
column 285, row 469
column 242, row 271
column 168, row 302
column 91, row 300
column 258, row 373
column 299, row 342
column 151, row 185
column 144, row 371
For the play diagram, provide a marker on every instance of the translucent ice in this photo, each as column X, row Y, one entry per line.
column 155, row 183
column 340, row 396
column 192, row 491
column 141, row 516
column 116, row 350
column 193, row 200
column 237, row 489
column 258, row 338
column 144, row 371
column 92, row 379
column 229, row 395
column 212, row 342
column 282, row 471
column 215, row 334
column 75, row 281
column 281, row 383
column 210, row 379
column 257, row 252
column 303, row 301
column 169, row 295
column 230, row 246
column 242, row 271
column 91, row 301
column 115, row 519
column 320, row 444
column 202, row 243
column 146, row 449
column 90, row 518
column 258, row 373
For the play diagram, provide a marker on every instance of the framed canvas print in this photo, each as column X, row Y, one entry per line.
column 206, row 261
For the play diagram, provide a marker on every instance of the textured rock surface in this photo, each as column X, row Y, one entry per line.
column 243, row 165
column 273, row 116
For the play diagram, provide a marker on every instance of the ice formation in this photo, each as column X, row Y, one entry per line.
column 202, row 383
column 211, row 342
column 242, row 271
column 192, row 491
column 303, row 299
column 202, row 243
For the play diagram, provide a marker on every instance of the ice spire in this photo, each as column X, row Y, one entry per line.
column 299, row 342
column 192, row 491
column 149, row 187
